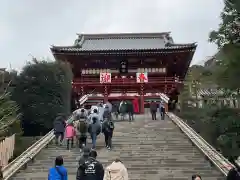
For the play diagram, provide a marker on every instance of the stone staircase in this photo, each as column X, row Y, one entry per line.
column 151, row 150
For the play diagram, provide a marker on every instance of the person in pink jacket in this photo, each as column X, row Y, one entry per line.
column 70, row 133
column 116, row 171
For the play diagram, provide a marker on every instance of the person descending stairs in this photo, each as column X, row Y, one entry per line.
column 155, row 150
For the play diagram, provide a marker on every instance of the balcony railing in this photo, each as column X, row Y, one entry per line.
column 125, row 80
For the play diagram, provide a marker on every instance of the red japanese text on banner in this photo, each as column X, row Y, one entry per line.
column 142, row 77
column 105, row 77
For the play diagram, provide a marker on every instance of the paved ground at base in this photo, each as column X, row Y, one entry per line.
column 151, row 150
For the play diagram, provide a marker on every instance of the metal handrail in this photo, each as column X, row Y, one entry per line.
column 86, row 96
column 9, row 170
column 213, row 155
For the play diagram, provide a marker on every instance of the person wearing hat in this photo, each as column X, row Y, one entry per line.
column 84, row 156
column 92, row 169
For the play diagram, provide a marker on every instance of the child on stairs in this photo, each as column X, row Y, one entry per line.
column 70, row 133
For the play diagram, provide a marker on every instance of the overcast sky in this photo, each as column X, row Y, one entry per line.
column 31, row 26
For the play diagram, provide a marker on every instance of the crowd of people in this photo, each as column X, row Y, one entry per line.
column 95, row 121
column 83, row 122
column 89, row 168
column 98, row 119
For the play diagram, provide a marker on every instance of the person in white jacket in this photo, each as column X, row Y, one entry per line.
column 116, row 171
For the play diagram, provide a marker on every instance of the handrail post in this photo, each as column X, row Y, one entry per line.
column 1, row 173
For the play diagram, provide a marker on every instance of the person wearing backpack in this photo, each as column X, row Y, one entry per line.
column 93, row 114
column 107, row 113
column 82, row 129
column 91, row 169
column 59, row 128
column 107, row 129
column 58, row 172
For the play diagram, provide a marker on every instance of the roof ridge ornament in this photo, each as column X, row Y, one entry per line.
column 79, row 41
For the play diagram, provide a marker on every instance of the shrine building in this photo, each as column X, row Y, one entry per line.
column 111, row 67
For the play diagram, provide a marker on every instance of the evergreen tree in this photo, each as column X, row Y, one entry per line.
column 42, row 91
column 9, row 117
column 229, row 29
column 227, row 37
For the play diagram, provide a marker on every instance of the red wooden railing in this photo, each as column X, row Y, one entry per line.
column 127, row 80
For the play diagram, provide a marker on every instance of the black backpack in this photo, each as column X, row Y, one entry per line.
column 82, row 127
column 111, row 125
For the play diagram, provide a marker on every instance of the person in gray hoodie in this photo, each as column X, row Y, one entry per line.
column 94, row 131
column 162, row 110
column 100, row 112
column 79, row 113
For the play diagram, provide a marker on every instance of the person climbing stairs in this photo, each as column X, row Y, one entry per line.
column 155, row 150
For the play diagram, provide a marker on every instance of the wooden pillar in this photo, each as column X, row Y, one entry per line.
column 105, row 98
column 142, row 99
column 165, row 89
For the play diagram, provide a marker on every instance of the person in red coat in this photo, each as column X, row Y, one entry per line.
column 135, row 105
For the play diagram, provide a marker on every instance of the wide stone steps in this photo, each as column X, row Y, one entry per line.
column 155, row 150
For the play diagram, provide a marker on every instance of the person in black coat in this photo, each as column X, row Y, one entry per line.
column 84, row 157
column 92, row 169
column 153, row 110
column 107, row 113
column 130, row 110
column 107, row 128
column 59, row 128
column 234, row 172
column 115, row 110
column 196, row 177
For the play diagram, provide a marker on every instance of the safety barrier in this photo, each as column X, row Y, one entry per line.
column 210, row 152
column 26, row 156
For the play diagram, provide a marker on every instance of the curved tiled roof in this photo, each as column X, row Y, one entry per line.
column 125, row 41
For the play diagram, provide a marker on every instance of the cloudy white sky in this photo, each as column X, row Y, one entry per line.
column 31, row 26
